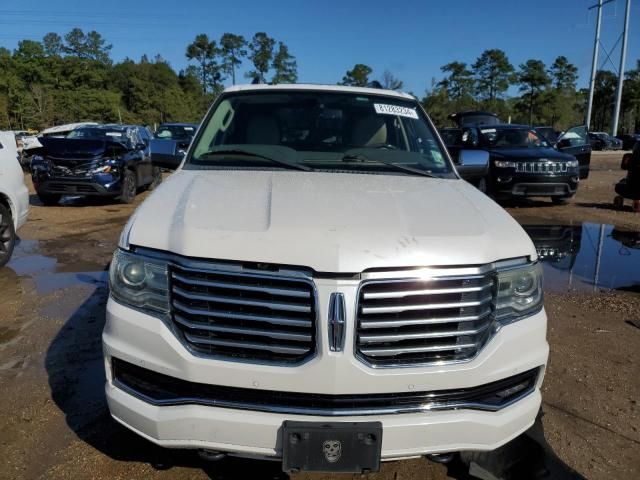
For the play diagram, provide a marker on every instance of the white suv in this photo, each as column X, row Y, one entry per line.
column 316, row 284
column 14, row 196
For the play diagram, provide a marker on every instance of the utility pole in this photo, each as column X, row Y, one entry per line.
column 623, row 60
column 594, row 63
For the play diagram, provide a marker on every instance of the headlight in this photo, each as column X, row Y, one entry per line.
column 504, row 164
column 519, row 292
column 139, row 282
column 107, row 167
column 572, row 163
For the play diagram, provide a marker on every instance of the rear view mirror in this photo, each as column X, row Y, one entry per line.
column 626, row 160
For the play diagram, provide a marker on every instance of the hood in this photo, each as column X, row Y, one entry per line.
column 328, row 222
column 528, row 154
column 77, row 148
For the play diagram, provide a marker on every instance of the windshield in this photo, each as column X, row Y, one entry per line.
column 512, row 137
column 112, row 135
column 320, row 131
column 175, row 132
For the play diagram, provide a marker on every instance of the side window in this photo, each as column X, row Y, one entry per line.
column 1, row 147
column 575, row 137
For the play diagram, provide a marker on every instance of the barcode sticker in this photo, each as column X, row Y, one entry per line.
column 385, row 109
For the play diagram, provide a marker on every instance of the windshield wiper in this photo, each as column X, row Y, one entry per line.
column 359, row 157
column 247, row 153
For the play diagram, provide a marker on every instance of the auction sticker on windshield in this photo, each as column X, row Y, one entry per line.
column 385, row 109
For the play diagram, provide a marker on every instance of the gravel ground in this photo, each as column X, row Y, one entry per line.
column 53, row 416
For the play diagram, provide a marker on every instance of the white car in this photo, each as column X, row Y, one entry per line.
column 14, row 196
column 316, row 284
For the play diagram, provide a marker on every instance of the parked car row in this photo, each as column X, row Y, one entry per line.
column 522, row 161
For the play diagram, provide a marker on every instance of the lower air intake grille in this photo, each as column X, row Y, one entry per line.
column 424, row 321
column 240, row 315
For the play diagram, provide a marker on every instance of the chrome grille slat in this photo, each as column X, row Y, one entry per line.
column 373, row 338
column 302, row 337
column 376, row 352
column 432, row 291
column 424, row 321
column 226, row 312
column 246, row 345
column 239, row 316
column 299, row 293
column 425, row 306
column 541, row 167
column 238, row 301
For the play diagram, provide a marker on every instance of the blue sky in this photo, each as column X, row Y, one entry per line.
column 413, row 39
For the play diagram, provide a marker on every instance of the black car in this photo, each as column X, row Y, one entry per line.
column 628, row 141
column 101, row 160
column 523, row 163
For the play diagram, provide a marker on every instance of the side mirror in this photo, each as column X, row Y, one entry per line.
column 626, row 161
column 563, row 143
column 166, row 154
column 473, row 164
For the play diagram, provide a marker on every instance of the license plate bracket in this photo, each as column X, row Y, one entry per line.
column 344, row 447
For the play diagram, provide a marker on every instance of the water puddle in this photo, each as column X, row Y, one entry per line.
column 587, row 257
column 50, row 274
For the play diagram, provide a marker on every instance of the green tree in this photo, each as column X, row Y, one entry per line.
column 90, row 46
column 358, row 76
column 53, row 45
column 603, row 98
column 493, row 73
column 533, row 79
column 261, row 55
column 232, row 50
column 204, row 52
column 390, row 81
column 459, row 81
column 284, row 66
column 564, row 75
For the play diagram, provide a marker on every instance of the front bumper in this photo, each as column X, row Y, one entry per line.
column 147, row 342
column 105, row 185
column 515, row 184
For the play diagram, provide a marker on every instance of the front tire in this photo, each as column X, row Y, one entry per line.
column 48, row 199
column 7, row 235
column 129, row 187
column 157, row 179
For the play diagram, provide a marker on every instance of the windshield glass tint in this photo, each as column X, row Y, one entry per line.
column 175, row 132
column 512, row 137
column 321, row 130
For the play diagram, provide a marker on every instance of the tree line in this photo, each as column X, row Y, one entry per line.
column 70, row 78
column 546, row 95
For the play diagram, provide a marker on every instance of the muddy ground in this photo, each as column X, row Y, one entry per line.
column 53, row 418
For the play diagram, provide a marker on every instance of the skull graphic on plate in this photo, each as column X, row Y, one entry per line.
column 332, row 450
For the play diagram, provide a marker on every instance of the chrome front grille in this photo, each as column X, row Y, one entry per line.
column 424, row 321
column 238, row 315
column 541, row 167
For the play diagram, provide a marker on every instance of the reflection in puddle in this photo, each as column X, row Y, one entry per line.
column 587, row 256
column 49, row 274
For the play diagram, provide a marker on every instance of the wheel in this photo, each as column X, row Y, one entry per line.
column 7, row 235
column 157, row 178
column 618, row 202
column 129, row 187
column 482, row 185
column 49, row 199
column 560, row 200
